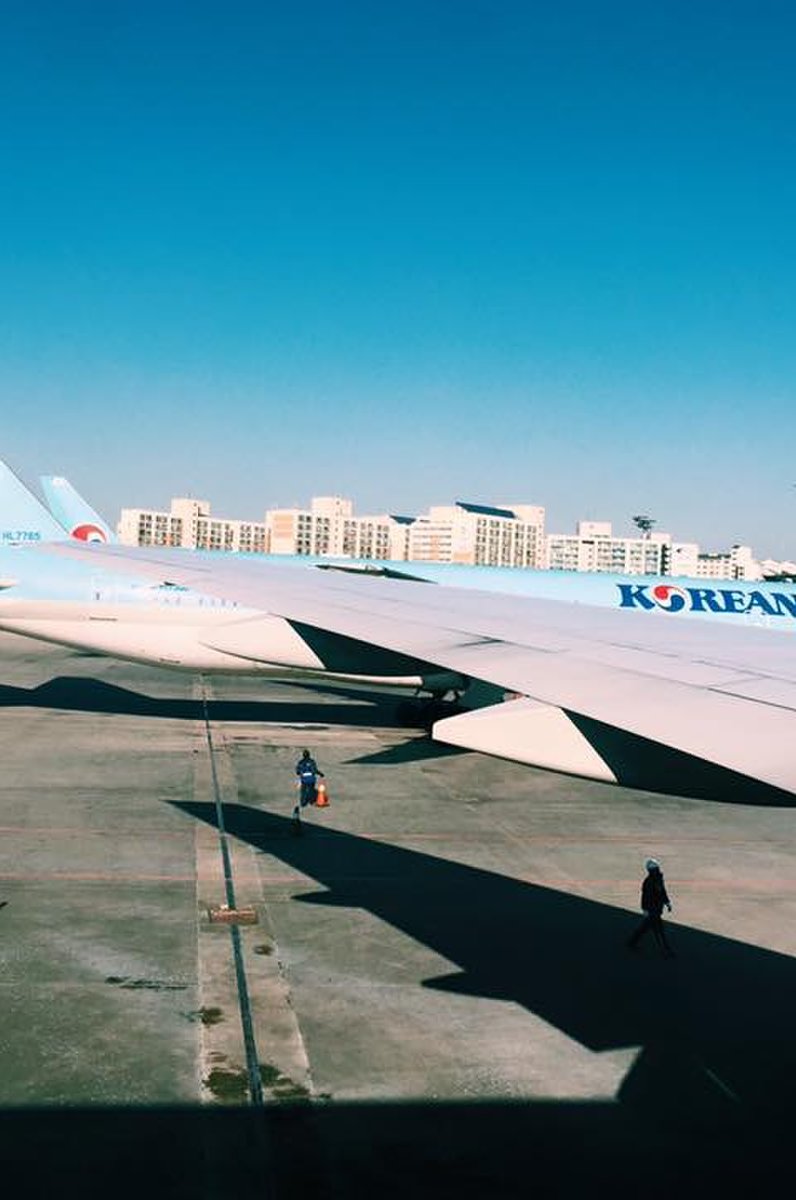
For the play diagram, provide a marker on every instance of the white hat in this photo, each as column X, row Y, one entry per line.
column 653, row 864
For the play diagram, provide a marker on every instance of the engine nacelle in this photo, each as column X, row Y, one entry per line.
column 293, row 645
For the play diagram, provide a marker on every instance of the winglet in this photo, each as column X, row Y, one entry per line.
column 76, row 516
column 23, row 518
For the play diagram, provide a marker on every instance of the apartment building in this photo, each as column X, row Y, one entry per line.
column 316, row 530
column 382, row 537
column 479, row 535
column 775, row 568
column 510, row 535
column 683, row 559
column 150, row 527
column 329, row 527
column 736, row 563
column 188, row 523
column 594, row 547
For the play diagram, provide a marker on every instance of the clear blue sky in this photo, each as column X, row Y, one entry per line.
column 409, row 252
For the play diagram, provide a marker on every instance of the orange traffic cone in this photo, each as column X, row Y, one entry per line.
column 323, row 796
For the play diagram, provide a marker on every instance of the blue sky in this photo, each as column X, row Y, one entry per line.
column 406, row 252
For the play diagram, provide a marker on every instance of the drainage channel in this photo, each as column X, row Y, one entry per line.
column 244, row 1004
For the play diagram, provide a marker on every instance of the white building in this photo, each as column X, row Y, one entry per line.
column 150, row 527
column 683, row 559
column 329, row 527
column 317, row 530
column 511, row 535
column 735, row 563
column 189, row 524
column 773, row 568
column 595, row 548
column 383, row 537
column 461, row 533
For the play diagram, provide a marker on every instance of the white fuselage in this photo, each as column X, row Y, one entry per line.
column 107, row 609
column 173, row 627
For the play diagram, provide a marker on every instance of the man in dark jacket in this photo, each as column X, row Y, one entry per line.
column 307, row 772
column 653, row 900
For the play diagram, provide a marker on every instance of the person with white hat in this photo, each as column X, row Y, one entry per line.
column 654, row 898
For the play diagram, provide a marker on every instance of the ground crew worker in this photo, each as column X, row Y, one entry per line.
column 653, row 899
column 307, row 771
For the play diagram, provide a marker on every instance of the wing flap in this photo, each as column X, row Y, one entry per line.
column 735, row 732
column 779, row 692
column 528, row 732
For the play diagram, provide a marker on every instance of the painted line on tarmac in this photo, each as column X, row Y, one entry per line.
column 81, row 832
column 244, row 1002
column 721, row 1085
column 568, row 839
column 749, row 886
column 94, row 877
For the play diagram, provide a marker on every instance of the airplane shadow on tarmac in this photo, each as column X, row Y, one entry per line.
column 715, row 1025
column 637, row 762
column 82, row 694
column 706, row 1107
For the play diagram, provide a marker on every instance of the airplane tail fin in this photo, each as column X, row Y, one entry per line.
column 23, row 517
column 76, row 516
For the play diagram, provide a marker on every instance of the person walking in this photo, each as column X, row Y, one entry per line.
column 654, row 898
column 307, row 771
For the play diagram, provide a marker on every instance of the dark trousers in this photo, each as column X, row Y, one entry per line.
column 308, row 792
column 654, row 922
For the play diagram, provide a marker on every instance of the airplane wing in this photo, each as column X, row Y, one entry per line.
column 725, row 695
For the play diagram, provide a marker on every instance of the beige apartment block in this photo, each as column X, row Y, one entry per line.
column 317, row 530
column 595, row 548
column 329, row 528
column 736, row 563
column 683, row 559
column 382, row 537
column 189, row 524
column 510, row 535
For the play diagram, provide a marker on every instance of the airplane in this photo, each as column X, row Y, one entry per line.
column 635, row 680
column 72, row 512
column 112, row 610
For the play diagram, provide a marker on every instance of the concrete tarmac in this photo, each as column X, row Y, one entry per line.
column 437, row 988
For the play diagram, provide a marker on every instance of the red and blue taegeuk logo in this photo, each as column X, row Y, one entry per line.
column 89, row 533
column 669, row 597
